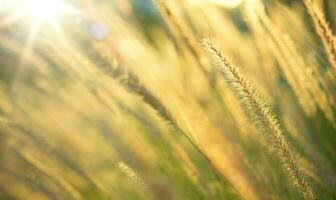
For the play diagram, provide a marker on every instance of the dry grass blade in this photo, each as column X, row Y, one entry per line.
column 324, row 31
column 184, row 33
column 54, row 153
column 262, row 116
column 132, row 83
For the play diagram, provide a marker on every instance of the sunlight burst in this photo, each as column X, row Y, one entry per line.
column 42, row 10
column 39, row 11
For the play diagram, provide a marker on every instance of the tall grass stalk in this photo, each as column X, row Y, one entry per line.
column 183, row 32
column 132, row 83
column 43, row 169
column 262, row 115
column 324, row 31
column 190, row 41
column 294, row 72
column 133, row 176
column 52, row 152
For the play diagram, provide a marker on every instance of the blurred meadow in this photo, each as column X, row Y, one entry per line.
column 167, row 99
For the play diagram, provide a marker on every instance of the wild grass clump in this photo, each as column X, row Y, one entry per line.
column 118, row 100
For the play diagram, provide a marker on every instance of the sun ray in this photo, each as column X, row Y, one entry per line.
column 27, row 51
column 11, row 19
column 38, row 12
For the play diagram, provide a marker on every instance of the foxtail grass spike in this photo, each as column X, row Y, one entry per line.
column 262, row 115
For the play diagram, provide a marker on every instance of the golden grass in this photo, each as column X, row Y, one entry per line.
column 324, row 31
column 121, row 102
column 262, row 115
